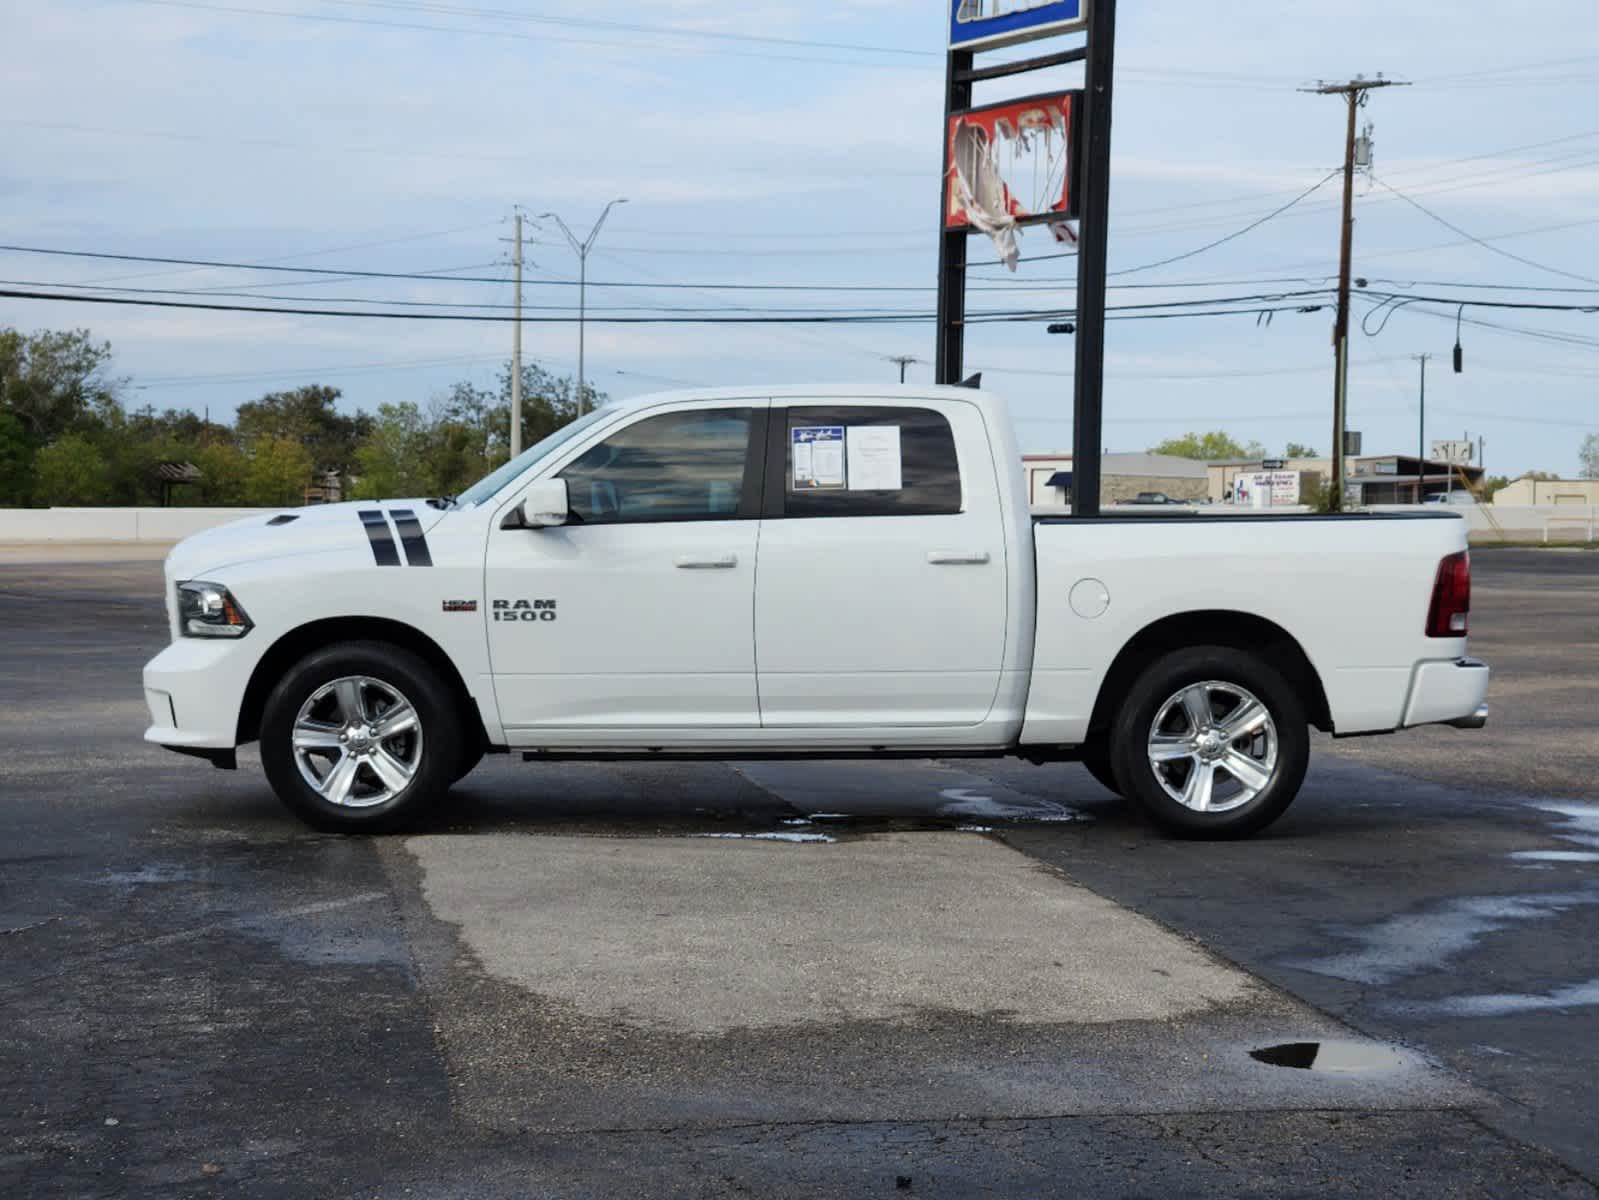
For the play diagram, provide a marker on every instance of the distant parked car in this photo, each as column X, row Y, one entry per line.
column 1460, row 497
column 1150, row 498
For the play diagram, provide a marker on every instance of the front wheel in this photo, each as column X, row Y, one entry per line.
column 360, row 737
column 1211, row 742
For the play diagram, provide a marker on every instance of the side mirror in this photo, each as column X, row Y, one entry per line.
column 544, row 504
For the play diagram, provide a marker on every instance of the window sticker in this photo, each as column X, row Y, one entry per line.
column 818, row 454
column 874, row 458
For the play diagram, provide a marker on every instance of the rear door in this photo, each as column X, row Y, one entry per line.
column 880, row 595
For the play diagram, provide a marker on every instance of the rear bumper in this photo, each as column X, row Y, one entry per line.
column 1449, row 693
column 1477, row 720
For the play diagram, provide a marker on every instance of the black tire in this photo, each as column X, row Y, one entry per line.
column 372, row 806
column 1096, row 759
column 1232, row 670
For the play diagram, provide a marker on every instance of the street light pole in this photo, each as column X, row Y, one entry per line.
column 581, row 249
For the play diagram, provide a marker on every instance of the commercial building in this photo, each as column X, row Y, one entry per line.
column 1396, row 479
column 1378, row 479
column 1549, row 491
column 1227, row 480
column 1123, row 477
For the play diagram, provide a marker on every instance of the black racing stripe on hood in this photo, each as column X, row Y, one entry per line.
column 412, row 537
column 381, row 537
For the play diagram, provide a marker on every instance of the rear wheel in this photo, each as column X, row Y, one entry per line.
column 361, row 737
column 1211, row 742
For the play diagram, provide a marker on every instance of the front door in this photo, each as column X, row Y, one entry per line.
column 637, row 614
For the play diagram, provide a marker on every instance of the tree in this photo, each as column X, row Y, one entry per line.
column 223, row 471
column 71, row 470
column 16, row 460
column 1588, row 456
column 470, row 425
column 306, row 415
column 1299, row 450
column 279, row 471
column 1208, row 447
column 56, row 383
column 393, row 461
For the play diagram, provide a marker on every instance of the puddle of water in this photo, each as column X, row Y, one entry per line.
column 1582, row 821
column 152, row 874
column 769, row 837
column 1413, row 943
column 1505, row 1004
column 1332, row 1058
column 963, row 802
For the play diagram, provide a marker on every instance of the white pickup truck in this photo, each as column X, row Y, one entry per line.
column 823, row 571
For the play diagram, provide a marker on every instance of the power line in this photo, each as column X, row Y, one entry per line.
column 1236, row 234
column 630, row 27
column 1473, row 238
column 469, row 31
column 1250, row 228
column 1254, row 305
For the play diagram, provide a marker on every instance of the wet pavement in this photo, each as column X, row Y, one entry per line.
column 948, row 979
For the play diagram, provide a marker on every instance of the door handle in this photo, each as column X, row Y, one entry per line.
column 696, row 562
column 957, row 558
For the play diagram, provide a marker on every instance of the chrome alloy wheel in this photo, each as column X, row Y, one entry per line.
column 1213, row 747
column 357, row 741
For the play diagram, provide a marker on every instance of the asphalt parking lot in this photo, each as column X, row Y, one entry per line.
column 928, row 978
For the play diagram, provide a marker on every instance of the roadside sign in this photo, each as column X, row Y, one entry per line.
column 989, row 24
column 1273, row 464
column 1266, row 489
column 1456, row 454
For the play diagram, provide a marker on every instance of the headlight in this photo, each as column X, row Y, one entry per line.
column 209, row 610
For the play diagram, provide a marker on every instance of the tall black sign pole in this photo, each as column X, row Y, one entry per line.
column 947, row 365
column 1092, row 254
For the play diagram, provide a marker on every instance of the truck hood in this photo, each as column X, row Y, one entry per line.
column 291, row 531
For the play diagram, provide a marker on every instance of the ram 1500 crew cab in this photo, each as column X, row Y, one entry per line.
column 828, row 571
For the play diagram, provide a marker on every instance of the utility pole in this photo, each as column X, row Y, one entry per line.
column 516, row 347
column 1421, row 433
column 904, row 360
column 582, row 251
column 1355, row 94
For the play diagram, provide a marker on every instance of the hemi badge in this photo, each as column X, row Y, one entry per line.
column 460, row 606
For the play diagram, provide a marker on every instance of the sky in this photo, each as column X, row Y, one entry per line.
column 785, row 144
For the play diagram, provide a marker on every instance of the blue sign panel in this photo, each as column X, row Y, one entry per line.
column 987, row 24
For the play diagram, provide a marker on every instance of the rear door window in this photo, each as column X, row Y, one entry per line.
column 862, row 461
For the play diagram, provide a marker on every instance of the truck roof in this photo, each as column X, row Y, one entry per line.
column 819, row 391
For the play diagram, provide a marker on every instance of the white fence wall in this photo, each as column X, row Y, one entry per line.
column 114, row 524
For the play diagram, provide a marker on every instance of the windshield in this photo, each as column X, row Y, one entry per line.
column 497, row 479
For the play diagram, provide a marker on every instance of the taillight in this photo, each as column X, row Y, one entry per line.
column 1451, row 598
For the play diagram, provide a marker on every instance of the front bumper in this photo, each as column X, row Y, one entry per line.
column 1449, row 693
column 194, row 690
